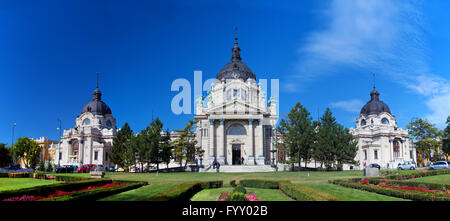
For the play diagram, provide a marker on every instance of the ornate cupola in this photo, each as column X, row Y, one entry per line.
column 236, row 69
column 375, row 105
column 96, row 106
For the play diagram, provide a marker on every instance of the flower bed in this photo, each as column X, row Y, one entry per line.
column 59, row 193
column 406, row 192
column 239, row 194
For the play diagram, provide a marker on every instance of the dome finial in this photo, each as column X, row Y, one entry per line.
column 374, row 81
column 236, row 56
column 97, row 95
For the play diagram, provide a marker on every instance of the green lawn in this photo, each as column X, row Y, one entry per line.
column 20, row 183
column 439, row 179
column 316, row 179
column 262, row 194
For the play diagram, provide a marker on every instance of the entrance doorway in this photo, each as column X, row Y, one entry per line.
column 236, row 158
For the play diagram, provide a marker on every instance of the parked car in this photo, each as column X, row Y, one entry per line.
column 374, row 165
column 408, row 165
column 87, row 168
column 65, row 169
column 439, row 165
column 120, row 170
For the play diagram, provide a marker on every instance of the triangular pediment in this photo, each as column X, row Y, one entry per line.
column 237, row 107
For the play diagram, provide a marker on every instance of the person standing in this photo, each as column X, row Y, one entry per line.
column 242, row 160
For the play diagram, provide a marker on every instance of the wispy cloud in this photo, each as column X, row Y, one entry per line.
column 381, row 36
column 353, row 106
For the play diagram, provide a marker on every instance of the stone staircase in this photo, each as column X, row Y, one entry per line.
column 241, row 169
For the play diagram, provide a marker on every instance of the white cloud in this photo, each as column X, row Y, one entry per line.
column 353, row 106
column 375, row 36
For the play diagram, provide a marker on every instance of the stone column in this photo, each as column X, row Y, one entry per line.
column 251, row 157
column 402, row 154
column 81, row 152
column 391, row 150
column 221, row 143
column 259, row 150
column 212, row 154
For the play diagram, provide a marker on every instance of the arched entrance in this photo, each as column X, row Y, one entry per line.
column 236, row 154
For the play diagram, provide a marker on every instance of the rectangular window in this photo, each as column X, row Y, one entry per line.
column 96, row 155
column 365, row 154
column 106, row 156
column 375, row 154
column 60, row 155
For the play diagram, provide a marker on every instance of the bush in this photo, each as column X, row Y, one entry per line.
column 240, row 189
column 95, row 194
column 236, row 196
column 41, row 166
column 50, row 189
column 303, row 193
column 233, row 183
column 49, row 167
column 19, row 175
column 264, row 184
column 3, row 174
column 185, row 191
column 417, row 174
column 70, row 178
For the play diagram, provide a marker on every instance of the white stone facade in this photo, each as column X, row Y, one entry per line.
column 235, row 125
column 380, row 140
column 90, row 141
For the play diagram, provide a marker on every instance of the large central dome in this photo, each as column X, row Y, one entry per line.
column 96, row 106
column 236, row 69
column 375, row 105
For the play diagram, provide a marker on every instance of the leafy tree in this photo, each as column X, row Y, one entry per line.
column 347, row 147
column 142, row 146
column 41, row 166
column 326, row 143
column 49, row 167
column 446, row 138
column 166, row 154
column 185, row 144
column 5, row 155
column 425, row 135
column 28, row 150
column 119, row 148
column 155, row 141
column 298, row 134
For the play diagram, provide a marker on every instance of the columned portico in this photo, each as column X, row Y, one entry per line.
column 251, row 157
column 237, row 112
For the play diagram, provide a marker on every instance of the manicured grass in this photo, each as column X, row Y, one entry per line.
column 20, row 183
column 348, row 194
column 262, row 194
column 439, row 179
column 316, row 179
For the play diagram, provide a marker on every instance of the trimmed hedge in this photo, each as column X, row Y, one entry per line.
column 185, row 191
column 19, row 175
column 95, row 194
column 417, row 174
column 70, row 178
column 264, row 184
column 295, row 191
column 50, row 189
column 3, row 174
column 406, row 194
column 303, row 193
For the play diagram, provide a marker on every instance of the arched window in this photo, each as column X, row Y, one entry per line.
column 236, row 129
column 86, row 122
column 363, row 122
column 108, row 123
column 396, row 149
column 384, row 121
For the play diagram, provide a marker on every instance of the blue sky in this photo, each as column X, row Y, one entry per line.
column 323, row 52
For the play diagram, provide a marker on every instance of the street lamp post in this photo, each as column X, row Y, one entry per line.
column 59, row 142
column 12, row 144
